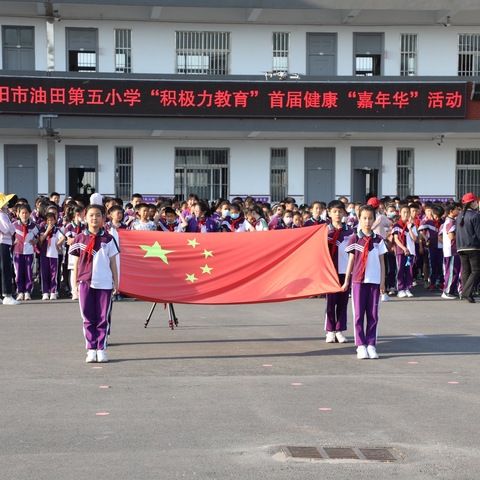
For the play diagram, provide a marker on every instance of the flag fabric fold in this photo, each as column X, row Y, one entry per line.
column 226, row 268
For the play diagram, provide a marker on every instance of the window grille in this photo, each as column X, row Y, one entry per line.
column 405, row 184
column 281, row 46
column 278, row 174
column 408, row 54
column 201, row 171
column 367, row 65
column 123, row 50
column 468, row 55
column 124, row 172
column 468, row 172
column 205, row 53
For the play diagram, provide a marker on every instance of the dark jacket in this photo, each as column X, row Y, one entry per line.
column 468, row 236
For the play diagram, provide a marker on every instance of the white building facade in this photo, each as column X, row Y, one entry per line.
column 309, row 152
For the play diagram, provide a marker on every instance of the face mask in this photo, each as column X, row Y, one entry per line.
column 170, row 223
column 225, row 213
column 234, row 216
column 351, row 211
column 390, row 214
column 288, row 220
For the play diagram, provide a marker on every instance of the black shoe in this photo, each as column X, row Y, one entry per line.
column 471, row 299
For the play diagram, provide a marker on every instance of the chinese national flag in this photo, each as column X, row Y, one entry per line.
column 226, row 268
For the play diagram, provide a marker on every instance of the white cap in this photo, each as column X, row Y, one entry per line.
column 96, row 199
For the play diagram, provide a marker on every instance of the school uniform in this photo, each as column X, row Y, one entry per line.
column 95, row 284
column 451, row 259
column 23, row 255
column 366, row 279
column 431, row 229
column 7, row 230
column 404, row 262
column 259, row 225
column 233, row 225
column 337, row 303
column 49, row 259
column 137, row 224
column 312, row 222
column 201, row 225
column 176, row 226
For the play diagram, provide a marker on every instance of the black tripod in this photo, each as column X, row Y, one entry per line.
column 172, row 318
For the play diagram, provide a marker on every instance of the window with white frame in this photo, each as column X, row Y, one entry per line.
column 468, row 172
column 123, row 172
column 405, row 184
column 408, row 54
column 281, row 46
column 203, row 171
column 278, row 174
column 206, row 53
column 468, row 55
column 123, row 50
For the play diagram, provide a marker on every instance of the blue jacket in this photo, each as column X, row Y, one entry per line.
column 468, row 236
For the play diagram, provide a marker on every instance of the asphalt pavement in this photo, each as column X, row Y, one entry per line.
column 224, row 394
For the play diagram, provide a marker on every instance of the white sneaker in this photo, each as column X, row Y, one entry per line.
column 102, row 356
column 330, row 338
column 74, row 297
column 27, row 296
column 401, row 294
column 362, row 352
column 9, row 301
column 53, row 296
column 408, row 293
column 385, row 298
column 20, row 296
column 45, row 296
column 372, row 352
column 91, row 356
column 341, row 337
column 448, row 296
column 392, row 292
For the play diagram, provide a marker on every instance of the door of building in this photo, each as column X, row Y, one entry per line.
column 366, row 177
column 21, row 171
column 322, row 54
column 82, row 166
column 319, row 174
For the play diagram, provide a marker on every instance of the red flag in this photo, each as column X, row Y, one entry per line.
column 226, row 268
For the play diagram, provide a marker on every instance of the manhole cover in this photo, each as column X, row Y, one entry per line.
column 378, row 454
column 338, row 453
column 383, row 454
column 304, row 452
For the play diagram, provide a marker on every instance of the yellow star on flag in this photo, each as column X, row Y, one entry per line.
column 206, row 269
column 191, row 278
column 156, row 251
column 193, row 243
column 208, row 253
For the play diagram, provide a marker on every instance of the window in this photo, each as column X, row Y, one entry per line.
column 203, row 53
column 278, row 174
column 408, row 54
column 201, row 171
column 468, row 55
column 82, row 49
column 123, row 50
column 405, row 172
column 281, row 41
column 368, row 54
column 18, row 48
column 124, row 172
column 468, row 172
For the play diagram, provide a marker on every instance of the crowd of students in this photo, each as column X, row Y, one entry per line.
column 412, row 242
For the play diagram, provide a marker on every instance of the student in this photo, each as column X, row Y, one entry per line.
column 236, row 221
column 71, row 231
column 95, row 279
column 451, row 260
column 50, row 239
column 316, row 211
column 201, row 221
column 297, row 220
column 130, row 208
column 26, row 233
column 255, row 219
column 404, row 236
column 366, row 267
column 381, row 223
column 116, row 215
column 142, row 220
column 337, row 303
column 288, row 219
column 173, row 221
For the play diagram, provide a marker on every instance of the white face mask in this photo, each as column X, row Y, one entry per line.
column 288, row 220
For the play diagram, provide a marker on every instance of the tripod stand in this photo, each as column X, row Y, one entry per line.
column 172, row 318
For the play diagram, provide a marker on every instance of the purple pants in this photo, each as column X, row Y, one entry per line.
column 391, row 270
column 404, row 273
column 23, row 272
column 365, row 300
column 336, row 310
column 49, row 268
column 95, row 305
column 453, row 268
column 435, row 257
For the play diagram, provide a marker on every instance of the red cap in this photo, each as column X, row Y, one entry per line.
column 469, row 197
column 373, row 202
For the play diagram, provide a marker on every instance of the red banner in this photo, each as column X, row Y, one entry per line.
column 226, row 268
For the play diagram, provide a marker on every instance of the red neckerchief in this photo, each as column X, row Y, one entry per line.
column 333, row 241
column 171, row 226
column 91, row 245
column 234, row 223
column 366, row 248
column 437, row 224
column 404, row 227
column 78, row 228
column 50, row 235
column 25, row 231
column 200, row 222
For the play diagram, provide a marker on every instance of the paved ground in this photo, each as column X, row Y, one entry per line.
column 200, row 402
